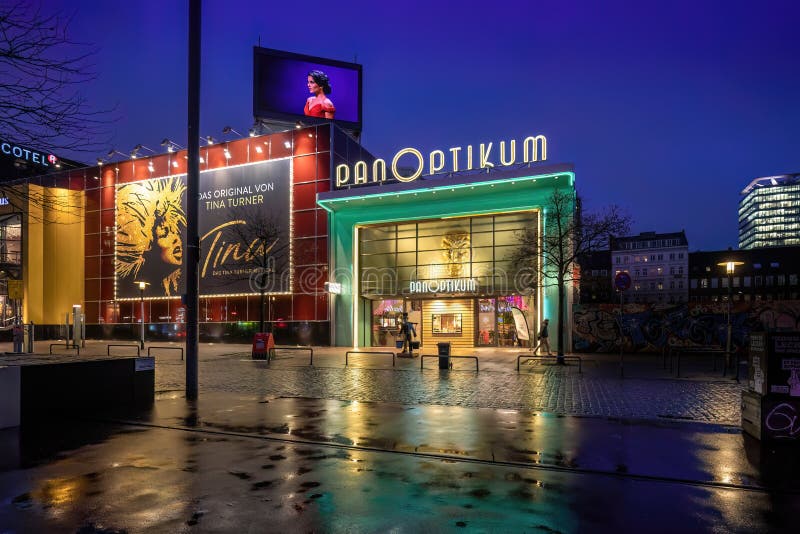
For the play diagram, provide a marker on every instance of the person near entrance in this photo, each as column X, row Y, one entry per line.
column 406, row 332
column 544, row 342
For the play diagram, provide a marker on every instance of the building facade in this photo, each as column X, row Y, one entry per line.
column 760, row 274
column 769, row 212
column 355, row 252
column 657, row 263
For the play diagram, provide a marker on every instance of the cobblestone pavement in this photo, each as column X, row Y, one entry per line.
column 598, row 391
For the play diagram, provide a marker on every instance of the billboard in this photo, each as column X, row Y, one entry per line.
column 290, row 87
column 243, row 226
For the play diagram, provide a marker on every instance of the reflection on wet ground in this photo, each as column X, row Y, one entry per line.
column 233, row 463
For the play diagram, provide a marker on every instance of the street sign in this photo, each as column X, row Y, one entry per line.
column 15, row 289
column 622, row 280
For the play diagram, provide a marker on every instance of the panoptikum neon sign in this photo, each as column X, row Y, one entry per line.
column 534, row 148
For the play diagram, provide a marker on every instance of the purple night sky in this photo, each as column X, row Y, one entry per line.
column 668, row 109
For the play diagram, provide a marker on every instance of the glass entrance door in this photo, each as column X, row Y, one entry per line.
column 486, row 323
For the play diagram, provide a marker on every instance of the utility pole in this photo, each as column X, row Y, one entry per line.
column 192, row 209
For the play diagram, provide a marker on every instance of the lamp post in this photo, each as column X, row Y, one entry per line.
column 730, row 267
column 142, row 285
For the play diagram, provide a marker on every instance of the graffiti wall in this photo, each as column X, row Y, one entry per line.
column 650, row 327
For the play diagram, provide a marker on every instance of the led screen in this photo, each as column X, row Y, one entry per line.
column 244, row 232
column 280, row 88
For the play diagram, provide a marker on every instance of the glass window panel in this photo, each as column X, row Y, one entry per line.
column 480, row 254
column 406, row 259
column 482, row 239
column 407, row 245
column 377, row 247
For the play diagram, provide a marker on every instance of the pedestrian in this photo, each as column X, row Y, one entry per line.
column 406, row 332
column 544, row 342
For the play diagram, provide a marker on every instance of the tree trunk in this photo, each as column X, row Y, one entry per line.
column 261, row 311
column 561, row 296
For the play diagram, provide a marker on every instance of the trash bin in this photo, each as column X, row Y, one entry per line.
column 444, row 355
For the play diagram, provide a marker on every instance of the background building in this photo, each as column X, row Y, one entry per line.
column 658, row 265
column 764, row 274
column 769, row 212
column 596, row 287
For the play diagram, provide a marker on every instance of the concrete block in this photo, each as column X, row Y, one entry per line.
column 9, row 396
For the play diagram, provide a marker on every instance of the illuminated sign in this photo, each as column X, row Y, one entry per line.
column 34, row 156
column 534, row 148
column 3, row 201
column 151, row 231
column 445, row 286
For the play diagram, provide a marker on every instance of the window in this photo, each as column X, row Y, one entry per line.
column 714, row 283
column 660, row 257
column 725, row 282
column 644, row 271
column 660, row 286
column 708, row 269
column 619, row 260
column 672, row 284
column 774, row 264
column 756, row 266
column 693, row 283
column 680, row 269
column 653, row 257
column 770, row 280
column 672, row 269
column 680, row 284
column 781, row 280
column 680, row 255
column 636, row 273
column 660, row 271
column 747, row 281
column 672, row 255
column 758, row 281
column 652, row 286
column 704, row 283
column 792, row 279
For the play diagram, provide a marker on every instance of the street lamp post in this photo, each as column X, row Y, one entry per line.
column 730, row 267
column 142, row 285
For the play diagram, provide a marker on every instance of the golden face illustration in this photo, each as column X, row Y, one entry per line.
column 150, row 219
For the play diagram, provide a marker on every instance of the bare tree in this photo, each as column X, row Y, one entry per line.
column 262, row 254
column 568, row 235
column 41, row 74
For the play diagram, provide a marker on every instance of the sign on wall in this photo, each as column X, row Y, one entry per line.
column 243, row 217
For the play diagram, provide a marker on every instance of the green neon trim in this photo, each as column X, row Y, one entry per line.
column 432, row 190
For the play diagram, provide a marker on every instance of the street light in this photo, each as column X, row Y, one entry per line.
column 730, row 267
column 142, row 285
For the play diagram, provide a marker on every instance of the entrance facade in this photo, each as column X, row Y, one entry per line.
column 442, row 251
column 455, row 278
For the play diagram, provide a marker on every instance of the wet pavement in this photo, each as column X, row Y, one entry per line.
column 243, row 464
column 289, row 447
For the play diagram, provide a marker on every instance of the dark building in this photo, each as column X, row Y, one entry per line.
column 596, row 285
column 763, row 274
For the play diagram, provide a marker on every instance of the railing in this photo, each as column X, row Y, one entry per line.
column 165, row 348
column 271, row 352
column 129, row 345
column 422, row 359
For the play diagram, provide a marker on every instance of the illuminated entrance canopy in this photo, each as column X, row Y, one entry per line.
column 534, row 148
column 445, row 286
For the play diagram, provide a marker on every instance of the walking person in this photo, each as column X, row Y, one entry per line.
column 544, row 342
column 406, row 332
